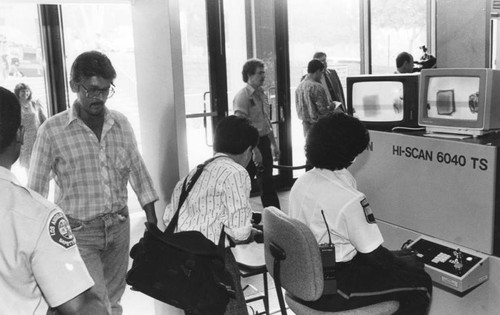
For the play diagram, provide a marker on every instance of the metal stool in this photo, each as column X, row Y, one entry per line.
column 250, row 259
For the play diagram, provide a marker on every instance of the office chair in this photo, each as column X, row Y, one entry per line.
column 293, row 260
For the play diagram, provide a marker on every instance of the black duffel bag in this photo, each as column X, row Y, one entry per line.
column 183, row 269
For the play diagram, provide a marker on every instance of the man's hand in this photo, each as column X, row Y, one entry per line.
column 257, row 157
column 257, row 236
column 150, row 213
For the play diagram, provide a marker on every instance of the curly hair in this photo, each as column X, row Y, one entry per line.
column 10, row 117
column 250, row 67
column 92, row 63
column 335, row 140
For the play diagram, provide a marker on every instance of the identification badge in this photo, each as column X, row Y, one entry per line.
column 370, row 218
column 60, row 231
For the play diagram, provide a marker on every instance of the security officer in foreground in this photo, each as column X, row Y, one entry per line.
column 40, row 265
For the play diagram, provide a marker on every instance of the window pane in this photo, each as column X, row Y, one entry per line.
column 331, row 26
column 106, row 28
column 193, row 21
column 396, row 26
column 21, row 61
column 236, row 47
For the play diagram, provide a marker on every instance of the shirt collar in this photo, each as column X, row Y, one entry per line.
column 73, row 115
column 251, row 90
column 220, row 154
column 344, row 175
column 7, row 175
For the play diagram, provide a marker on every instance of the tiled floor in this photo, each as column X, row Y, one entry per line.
column 136, row 303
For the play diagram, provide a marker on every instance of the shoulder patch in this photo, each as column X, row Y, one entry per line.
column 370, row 218
column 60, row 231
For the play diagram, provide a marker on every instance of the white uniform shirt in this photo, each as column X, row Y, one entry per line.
column 351, row 222
column 39, row 260
column 220, row 196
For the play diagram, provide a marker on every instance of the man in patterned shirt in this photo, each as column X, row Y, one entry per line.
column 221, row 196
column 92, row 154
column 311, row 101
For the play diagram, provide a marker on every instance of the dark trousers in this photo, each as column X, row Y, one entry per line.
column 268, row 196
column 360, row 284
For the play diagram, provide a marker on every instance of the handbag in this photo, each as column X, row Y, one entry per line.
column 183, row 269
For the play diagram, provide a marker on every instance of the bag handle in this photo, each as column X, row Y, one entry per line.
column 186, row 188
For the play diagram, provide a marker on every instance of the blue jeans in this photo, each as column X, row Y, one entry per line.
column 104, row 246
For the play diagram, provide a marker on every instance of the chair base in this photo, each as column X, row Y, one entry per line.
column 382, row 308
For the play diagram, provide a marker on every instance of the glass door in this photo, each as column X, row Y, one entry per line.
column 195, row 62
column 22, row 68
column 250, row 32
column 329, row 26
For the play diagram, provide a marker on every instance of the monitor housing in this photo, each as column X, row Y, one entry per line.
column 384, row 102
column 460, row 101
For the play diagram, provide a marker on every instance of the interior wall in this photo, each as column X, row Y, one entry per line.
column 160, row 93
column 463, row 33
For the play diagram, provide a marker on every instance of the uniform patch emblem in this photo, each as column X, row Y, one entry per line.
column 60, row 231
column 370, row 218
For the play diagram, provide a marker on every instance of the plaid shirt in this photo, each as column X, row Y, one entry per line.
column 69, row 151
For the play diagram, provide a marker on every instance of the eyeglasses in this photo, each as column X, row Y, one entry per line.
column 93, row 92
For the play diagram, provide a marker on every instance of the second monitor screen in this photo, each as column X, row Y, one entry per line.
column 453, row 98
column 378, row 101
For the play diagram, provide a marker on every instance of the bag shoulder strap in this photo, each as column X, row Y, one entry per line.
column 186, row 188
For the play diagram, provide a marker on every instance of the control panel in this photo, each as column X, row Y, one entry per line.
column 457, row 268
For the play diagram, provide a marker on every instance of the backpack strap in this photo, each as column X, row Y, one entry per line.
column 222, row 241
column 186, row 188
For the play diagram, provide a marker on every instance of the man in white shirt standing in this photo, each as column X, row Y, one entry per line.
column 251, row 102
column 221, row 196
column 40, row 265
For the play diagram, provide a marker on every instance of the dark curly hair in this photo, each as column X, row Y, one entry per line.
column 234, row 135
column 250, row 67
column 92, row 63
column 10, row 117
column 335, row 140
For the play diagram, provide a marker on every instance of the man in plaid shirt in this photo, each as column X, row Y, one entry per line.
column 91, row 153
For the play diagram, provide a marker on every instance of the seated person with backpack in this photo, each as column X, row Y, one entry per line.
column 366, row 272
column 220, row 197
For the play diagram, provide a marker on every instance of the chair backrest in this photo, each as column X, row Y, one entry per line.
column 301, row 272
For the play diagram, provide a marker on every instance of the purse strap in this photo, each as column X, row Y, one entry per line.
column 186, row 188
